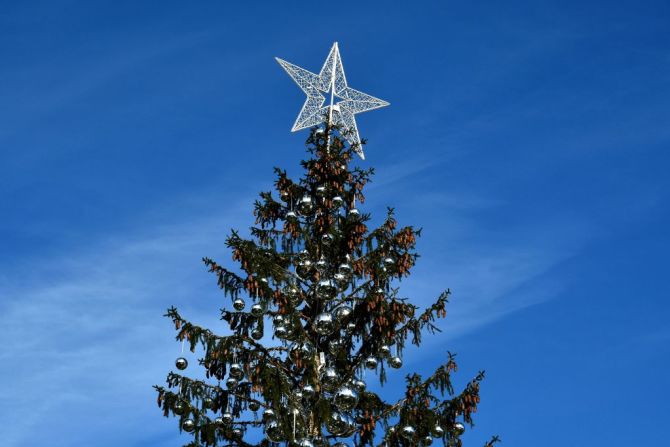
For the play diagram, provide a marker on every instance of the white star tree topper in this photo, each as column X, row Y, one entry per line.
column 332, row 81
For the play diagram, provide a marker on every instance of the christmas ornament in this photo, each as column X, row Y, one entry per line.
column 345, row 399
column 327, row 239
column 284, row 195
column 305, row 206
column 324, row 324
column 188, row 425
column 236, row 371
column 371, row 363
column 337, row 201
column 238, row 304
column 437, row 431
column 308, row 391
column 342, row 313
column 353, row 215
column 278, row 320
column 219, row 422
column 303, row 350
column 358, row 385
column 345, row 269
column 273, row 431
column 351, row 326
column 281, row 332
column 427, row 440
column 388, row 261
column 208, row 402
column 291, row 216
column 257, row 310
column 179, row 408
column 321, row 265
column 227, row 417
column 339, row 424
column 181, row 363
column 459, row 428
column 256, row 334
column 304, row 267
column 341, row 280
column 320, row 191
column 326, row 289
column 305, row 443
column 340, row 444
column 231, row 383
column 293, row 294
column 331, row 80
column 236, row 432
column 395, row 362
column 268, row 414
column 254, row 406
column 329, row 379
column 384, row 351
column 408, row 432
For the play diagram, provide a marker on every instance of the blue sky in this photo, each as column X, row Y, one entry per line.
column 528, row 139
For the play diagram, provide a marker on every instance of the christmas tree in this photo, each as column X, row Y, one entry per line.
column 314, row 303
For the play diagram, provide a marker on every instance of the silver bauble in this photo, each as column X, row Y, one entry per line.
column 336, row 423
column 308, row 391
column 305, row 443
column 321, row 265
column 351, row 327
column 340, row 444
column 345, row 269
column 321, row 191
column 208, row 402
column 293, row 294
column 353, row 215
column 371, row 362
column 273, row 431
column 337, row 201
column 254, row 406
column 188, row 425
column 335, row 345
column 342, row 313
column 437, row 431
column 278, row 320
column 284, row 195
column 326, row 289
column 395, row 362
column 297, row 395
column 408, row 432
column 358, row 385
column 231, row 383
column 426, row 440
column 219, row 422
column 268, row 414
column 459, row 428
column 384, row 351
column 236, row 371
column 345, row 398
column 256, row 334
column 257, row 310
column 227, row 417
column 238, row 304
column 324, row 323
column 181, row 363
column 341, row 280
column 291, row 215
column 236, row 432
column 179, row 408
column 327, row 239
column 281, row 332
column 304, row 267
column 305, row 206
column 329, row 379
column 388, row 261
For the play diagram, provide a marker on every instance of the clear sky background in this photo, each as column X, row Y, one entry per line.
column 528, row 139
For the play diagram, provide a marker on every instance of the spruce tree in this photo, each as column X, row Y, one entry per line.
column 313, row 303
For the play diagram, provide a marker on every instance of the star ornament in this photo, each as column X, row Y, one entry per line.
column 332, row 83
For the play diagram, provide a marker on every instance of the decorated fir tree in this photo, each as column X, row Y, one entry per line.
column 314, row 302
